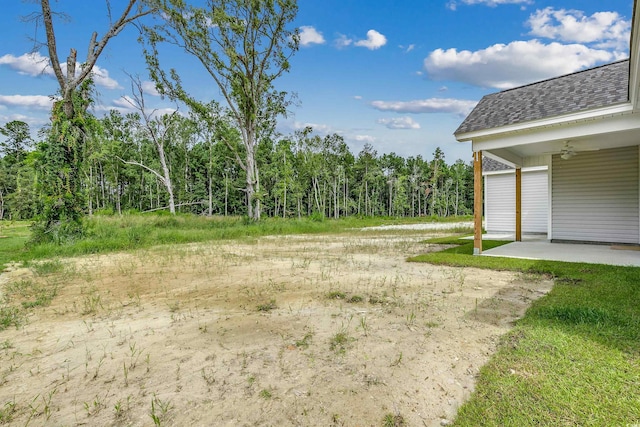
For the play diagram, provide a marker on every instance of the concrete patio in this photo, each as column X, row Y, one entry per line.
column 538, row 247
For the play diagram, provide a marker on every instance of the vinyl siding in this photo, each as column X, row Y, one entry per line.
column 595, row 196
column 500, row 202
column 535, row 201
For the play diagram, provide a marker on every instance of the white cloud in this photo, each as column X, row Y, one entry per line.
column 364, row 138
column 374, row 40
column 149, row 88
column 39, row 102
column 125, row 105
column 101, row 78
column 407, row 49
column 125, row 102
column 309, row 36
column 432, row 105
column 159, row 112
column 320, row 128
column 358, row 97
column 343, row 41
column 607, row 29
column 399, row 123
column 34, row 64
column 505, row 66
column 453, row 4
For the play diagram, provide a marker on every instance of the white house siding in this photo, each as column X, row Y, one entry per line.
column 535, row 201
column 595, row 196
column 500, row 201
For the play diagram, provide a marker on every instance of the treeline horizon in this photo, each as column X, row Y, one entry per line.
column 135, row 163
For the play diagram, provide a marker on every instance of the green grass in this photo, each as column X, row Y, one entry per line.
column 13, row 236
column 574, row 359
column 127, row 232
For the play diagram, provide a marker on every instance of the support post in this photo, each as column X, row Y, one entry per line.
column 477, row 202
column 518, row 205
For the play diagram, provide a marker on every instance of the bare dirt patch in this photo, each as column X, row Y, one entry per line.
column 299, row 330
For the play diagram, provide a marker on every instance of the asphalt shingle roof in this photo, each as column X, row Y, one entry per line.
column 490, row 165
column 598, row 87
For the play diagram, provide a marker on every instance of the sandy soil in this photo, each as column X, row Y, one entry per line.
column 300, row 331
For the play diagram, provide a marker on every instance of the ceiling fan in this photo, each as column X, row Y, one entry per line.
column 568, row 151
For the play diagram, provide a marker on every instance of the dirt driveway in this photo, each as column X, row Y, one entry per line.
column 300, row 331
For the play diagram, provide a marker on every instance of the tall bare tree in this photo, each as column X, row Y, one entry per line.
column 70, row 81
column 244, row 45
column 62, row 154
column 158, row 131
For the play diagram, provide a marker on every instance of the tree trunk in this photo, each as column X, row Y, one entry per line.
column 210, row 196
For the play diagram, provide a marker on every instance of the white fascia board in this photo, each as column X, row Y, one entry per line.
column 500, row 172
column 511, row 171
column 568, row 130
column 566, row 119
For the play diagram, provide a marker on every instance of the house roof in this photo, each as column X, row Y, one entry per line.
column 490, row 165
column 598, row 87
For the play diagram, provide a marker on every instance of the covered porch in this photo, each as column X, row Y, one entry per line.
column 542, row 249
column 585, row 128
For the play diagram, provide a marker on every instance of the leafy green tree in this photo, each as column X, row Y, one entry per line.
column 17, row 141
column 13, row 150
column 244, row 45
column 61, row 158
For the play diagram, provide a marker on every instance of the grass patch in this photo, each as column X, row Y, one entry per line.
column 10, row 316
column 135, row 231
column 339, row 342
column 336, row 295
column 573, row 359
column 393, row 420
column 305, row 341
column 13, row 236
column 354, row 299
column 267, row 306
column 31, row 294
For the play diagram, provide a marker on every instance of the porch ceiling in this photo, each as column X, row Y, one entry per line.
column 607, row 132
column 585, row 143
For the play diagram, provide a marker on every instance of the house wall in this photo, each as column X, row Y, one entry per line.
column 535, row 201
column 595, row 196
column 500, row 201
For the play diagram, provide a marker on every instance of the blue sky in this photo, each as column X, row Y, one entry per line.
column 400, row 75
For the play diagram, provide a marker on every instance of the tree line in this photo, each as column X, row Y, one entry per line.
column 135, row 162
column 220, row 158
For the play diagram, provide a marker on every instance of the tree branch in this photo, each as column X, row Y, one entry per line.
column 51, row 42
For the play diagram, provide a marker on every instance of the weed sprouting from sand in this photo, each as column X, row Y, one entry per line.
column 336, row 295
column 91, row 301
column 159, row 410
column 364, row 325
column 268, row 306
column 10, row 316
column 393, row 420
column 265, row 394
column 305, row 341
column 7, row 411
column 339, row 341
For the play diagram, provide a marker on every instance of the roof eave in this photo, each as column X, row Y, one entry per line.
column 572, row 118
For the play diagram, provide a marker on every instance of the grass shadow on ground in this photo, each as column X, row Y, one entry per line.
column 573, row 359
